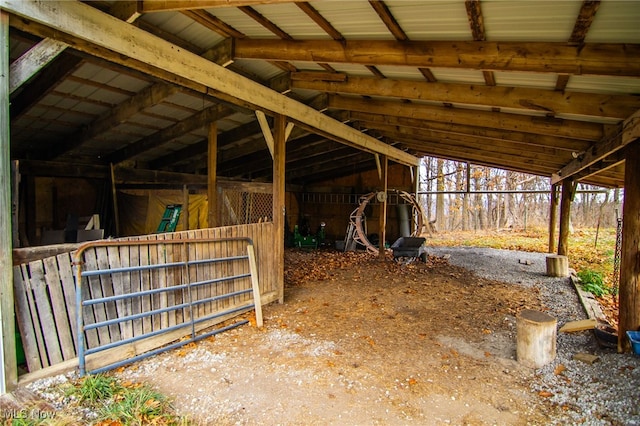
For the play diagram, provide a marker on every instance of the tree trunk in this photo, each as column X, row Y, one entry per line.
column 440, row 221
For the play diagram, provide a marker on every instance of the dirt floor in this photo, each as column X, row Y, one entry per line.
column 360, row 341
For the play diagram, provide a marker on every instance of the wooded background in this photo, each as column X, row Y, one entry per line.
column 460, row 196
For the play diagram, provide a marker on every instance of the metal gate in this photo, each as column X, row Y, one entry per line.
column 150, row 288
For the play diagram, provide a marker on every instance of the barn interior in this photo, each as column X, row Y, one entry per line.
column 286, row 112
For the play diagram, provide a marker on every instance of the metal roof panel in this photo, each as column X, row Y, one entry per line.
column 431, row 20
column 529, row 20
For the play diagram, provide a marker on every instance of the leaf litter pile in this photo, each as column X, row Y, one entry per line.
column 362, row 341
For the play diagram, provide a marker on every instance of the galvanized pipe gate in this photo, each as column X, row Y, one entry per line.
column 195, row 289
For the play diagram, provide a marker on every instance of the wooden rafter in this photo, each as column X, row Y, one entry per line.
column 585, row 18
column 209, row 21
column 515, row 122
column 161, row 59
column 483, row 133
column 385, row 14
column 525, row 99
column 616, row 139
column 196, row 121
column 320, row 20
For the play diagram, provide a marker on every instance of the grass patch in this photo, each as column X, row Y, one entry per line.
column 102, row 400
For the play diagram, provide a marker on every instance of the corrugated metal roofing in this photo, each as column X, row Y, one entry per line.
column 617, row 21
column 529, row 20
column 432, row 20
column 355, row 20
column 96, row 87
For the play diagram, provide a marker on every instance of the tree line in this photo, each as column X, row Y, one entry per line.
column 461, row 196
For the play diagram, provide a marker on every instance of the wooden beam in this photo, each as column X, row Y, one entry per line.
column 475, row 156
column 629, row 291
column 505, row 121
column 163, row 60
column 213, row 23
column 383, row 209
column 387, row 17
column 616, row 139
column 550, row 156
column 516, row 137
column 9, row 373
column 520, row 98
column 146, row 98
column 615, row 59
column 126, row 10
column 279, row 157
column 583, row 22
column 212, row 172
column 260, row 19
column 38, row 87
column 320, row 20
column 31, row 62
column 266, row 130
column 476, row 21
column 198, row 149
column 195, row 122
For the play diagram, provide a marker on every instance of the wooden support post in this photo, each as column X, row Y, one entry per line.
column 629, row 290
column 557, row 265
column 384, row 163
column 535, row 338
column 15, row 203
column 279, row 152
column 553, row 217
column 212, row 181
column 114, row 195
column 568, row 192
column 185, row 208
column 9, row 376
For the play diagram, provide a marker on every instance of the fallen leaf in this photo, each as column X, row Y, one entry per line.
column 545, row 394
column 559, row 369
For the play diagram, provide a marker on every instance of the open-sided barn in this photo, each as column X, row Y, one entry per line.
column 261, row 101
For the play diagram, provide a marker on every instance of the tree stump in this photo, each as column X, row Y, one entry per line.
column 557, row 266
column 536, row 338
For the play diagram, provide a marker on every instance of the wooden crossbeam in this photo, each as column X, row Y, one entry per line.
column 136, row 48
column 617, row 59
column 520, row 98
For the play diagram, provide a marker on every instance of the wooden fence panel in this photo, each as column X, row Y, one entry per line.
column 45, row 289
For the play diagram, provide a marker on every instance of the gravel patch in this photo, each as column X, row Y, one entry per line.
column 603, row 393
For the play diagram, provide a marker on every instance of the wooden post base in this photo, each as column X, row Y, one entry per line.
column 536, row 338
column 557, row 265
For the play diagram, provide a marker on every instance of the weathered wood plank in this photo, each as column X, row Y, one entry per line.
column 63, row 326
column 28, row 332
column 45, row 314
column 67, row 278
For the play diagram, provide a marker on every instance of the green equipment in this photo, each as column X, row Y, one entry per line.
column 170, row 218
column 310, row 240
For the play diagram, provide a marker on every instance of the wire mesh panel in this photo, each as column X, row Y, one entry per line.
column 237, row 207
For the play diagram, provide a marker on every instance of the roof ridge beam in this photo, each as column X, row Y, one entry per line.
column 614, row 59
